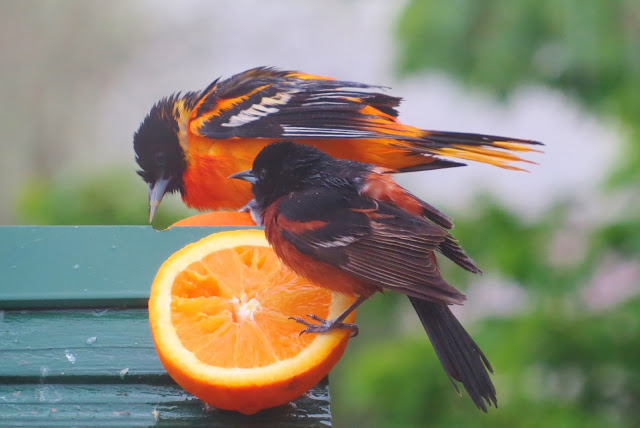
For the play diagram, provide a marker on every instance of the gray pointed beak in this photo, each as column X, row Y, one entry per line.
column 246, row 175
column 156, row 192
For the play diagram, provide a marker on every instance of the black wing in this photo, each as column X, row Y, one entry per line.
column 268, row 103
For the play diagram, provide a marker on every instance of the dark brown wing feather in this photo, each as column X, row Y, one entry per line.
column 374, row 241
column 379, row 186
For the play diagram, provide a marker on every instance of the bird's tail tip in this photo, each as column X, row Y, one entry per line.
column 460, row 356
column 502, row 152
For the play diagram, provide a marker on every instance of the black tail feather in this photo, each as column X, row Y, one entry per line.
column 431, row 165
column 435, row 215
column 460, row 356
column 451, row 249
column 448, row 138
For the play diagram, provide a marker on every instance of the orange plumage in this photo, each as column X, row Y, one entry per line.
column 192, row 142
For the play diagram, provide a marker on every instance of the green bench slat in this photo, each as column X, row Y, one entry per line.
column 49, row 266
column 144, row 405
column 50, row 360
column 39, row 344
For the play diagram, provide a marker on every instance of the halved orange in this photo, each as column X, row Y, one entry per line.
column 217, row 218
column 219, row 313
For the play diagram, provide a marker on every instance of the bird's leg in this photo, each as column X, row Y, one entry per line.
column 326, row 326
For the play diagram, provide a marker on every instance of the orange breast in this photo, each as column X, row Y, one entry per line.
column 210, row 162
column 207, row 186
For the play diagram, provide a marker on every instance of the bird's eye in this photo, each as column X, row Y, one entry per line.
column 262, row 174
column 160, row 159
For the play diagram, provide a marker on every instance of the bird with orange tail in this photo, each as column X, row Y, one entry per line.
column 349, row 227
column 191, row 143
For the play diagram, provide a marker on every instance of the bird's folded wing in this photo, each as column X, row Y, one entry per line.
column 371, row 240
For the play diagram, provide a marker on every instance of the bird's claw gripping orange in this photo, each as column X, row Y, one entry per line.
column 325, row 326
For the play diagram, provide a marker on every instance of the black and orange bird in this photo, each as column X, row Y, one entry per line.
column 190, row 143
column 347, row 226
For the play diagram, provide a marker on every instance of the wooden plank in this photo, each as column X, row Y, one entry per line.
column 98, row 367
column 39, row 345
column 129, row 405
column 73, row 266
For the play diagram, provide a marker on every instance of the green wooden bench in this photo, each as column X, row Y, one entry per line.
column 75, row 345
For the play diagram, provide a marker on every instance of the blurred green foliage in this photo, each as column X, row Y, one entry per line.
column 110, row 196
column 550, row 371
column 557, row 363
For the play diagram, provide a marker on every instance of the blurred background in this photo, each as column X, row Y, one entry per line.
column 557, row 311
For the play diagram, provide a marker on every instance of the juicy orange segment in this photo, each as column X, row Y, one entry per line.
column 219, row 314
column 227, row 299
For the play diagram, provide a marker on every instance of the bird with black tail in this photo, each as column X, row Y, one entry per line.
column 347, row 226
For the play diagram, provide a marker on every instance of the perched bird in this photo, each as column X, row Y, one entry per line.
column 347, row 226
column 192, row 142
